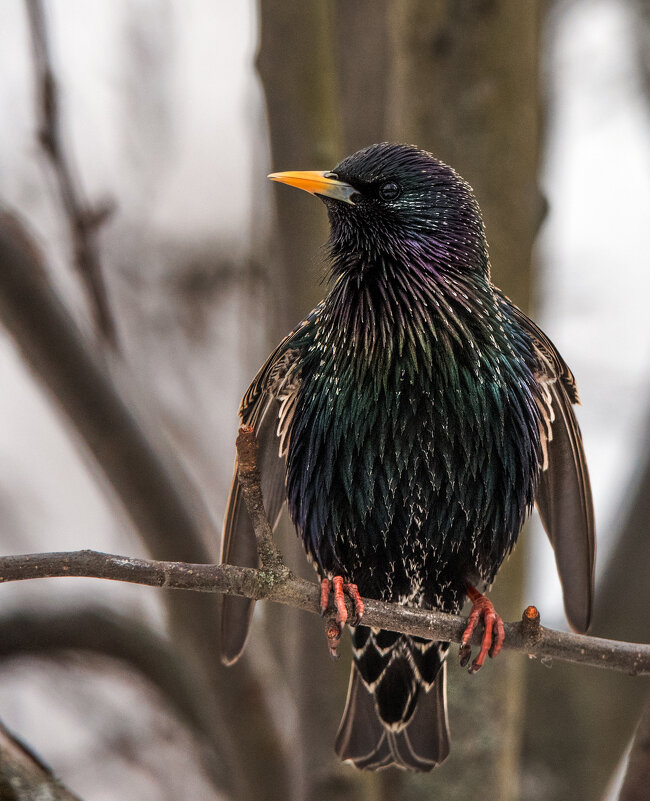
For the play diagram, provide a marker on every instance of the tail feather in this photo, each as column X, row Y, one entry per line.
column 372, row 734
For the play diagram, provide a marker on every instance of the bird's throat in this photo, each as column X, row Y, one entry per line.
column 385, row 309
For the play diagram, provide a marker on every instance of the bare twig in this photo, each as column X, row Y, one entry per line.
column 83, row 220
column 249, row 481
column 267, row 584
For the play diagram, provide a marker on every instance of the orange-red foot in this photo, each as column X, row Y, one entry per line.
column 494, row 633
column 335, row 627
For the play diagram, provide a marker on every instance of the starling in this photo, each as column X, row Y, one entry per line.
column 411, row 421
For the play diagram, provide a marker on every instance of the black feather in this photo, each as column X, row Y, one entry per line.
column 411, row 421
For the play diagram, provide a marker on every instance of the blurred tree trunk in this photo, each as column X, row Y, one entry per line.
column 465, row 86
column 583, row 723
column 297, row 66
column 361, row 43
column 460, row 79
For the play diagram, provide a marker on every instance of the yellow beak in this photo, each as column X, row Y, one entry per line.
column 317, row 183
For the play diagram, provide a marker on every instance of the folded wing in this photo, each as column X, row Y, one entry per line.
column 564, row 497
column 267, row 406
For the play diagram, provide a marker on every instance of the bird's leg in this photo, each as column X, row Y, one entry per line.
column 494, row 633
column 339, row 589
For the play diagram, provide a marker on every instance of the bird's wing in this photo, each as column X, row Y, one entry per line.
column 268, row 407
column 564, row 493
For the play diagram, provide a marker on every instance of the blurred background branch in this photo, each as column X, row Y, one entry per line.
column 83, row 220
column 24, row 776
column 46, row 632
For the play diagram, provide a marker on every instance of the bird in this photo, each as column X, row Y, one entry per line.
column 411, row 422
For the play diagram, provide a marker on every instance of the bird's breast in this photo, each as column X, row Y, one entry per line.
column 406, row 453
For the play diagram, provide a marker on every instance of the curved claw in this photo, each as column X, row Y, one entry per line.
column 333, row 634
column 493, row 636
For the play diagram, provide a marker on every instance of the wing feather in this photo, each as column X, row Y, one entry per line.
column 267, row 406
column 563, row 496
column 566, row 509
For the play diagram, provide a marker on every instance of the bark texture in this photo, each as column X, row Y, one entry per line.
column 465, row 85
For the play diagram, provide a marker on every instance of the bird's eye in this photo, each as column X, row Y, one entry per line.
column 389, row 191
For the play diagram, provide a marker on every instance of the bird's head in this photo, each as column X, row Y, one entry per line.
column 397, row 203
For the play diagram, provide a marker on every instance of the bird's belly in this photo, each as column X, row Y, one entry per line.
column 411, row 492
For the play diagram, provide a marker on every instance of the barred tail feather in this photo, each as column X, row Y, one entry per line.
column 385, row 681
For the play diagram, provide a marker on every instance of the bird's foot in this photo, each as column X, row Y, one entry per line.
column 494, row 633
column 335, row 626
column 340, row 590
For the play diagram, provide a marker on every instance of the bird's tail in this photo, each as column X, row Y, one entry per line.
column 396, row 711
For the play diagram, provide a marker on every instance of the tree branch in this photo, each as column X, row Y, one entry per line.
column 273, row 585
column 250, row 483
column 83, row 220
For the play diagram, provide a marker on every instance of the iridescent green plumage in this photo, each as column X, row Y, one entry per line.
column 420, row 415
column 422, row 454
